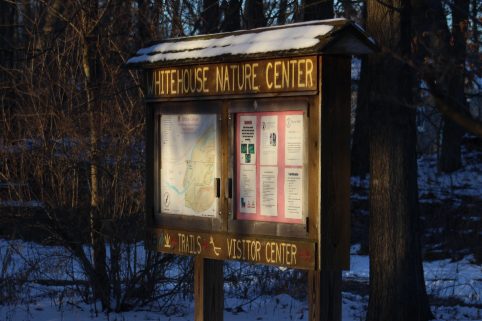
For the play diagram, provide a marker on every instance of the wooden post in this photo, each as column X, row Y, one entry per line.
column 324, row 295
column 208, row 290
column 324, row 286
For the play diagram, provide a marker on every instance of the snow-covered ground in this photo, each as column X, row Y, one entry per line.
column 434, row 186
column 456, row 286
column 466, row 182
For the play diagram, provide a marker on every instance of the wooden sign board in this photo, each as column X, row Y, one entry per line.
column 262, row 76
column 248, row 146
column 221, row 246
column 250, row 168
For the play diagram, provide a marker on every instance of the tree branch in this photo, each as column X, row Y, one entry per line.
column 446, row 105
column 453, row 110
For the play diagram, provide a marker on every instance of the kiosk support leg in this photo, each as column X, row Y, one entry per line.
column 208, row 290
column 324, row 295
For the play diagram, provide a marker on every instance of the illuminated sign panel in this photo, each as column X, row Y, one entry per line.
column 263, row 76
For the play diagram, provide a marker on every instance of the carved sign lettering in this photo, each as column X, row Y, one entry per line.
column 263, row 76
column 294, row 254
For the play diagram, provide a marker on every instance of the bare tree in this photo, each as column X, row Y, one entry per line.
column 78, row 142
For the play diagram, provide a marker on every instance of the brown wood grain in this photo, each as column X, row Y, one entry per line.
column 208, row 289
column 335, row 163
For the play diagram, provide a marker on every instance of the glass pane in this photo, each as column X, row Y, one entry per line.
column 189, row 164
column 270, row 166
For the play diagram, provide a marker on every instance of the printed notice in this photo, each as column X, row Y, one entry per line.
column 270, row 166
column 294, row 140
column 188, row 158
column 247, row 189
column 269, row 140
column 247, row 141
column 269, row 190
column 293, row 193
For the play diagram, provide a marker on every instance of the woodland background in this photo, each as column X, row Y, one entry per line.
column 72, row 142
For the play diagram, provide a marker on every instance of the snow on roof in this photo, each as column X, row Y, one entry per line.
column 284, row 38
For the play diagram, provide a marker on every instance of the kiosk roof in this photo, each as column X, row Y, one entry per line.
column 335, row 36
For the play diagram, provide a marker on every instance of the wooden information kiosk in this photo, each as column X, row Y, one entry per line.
column 248, row 153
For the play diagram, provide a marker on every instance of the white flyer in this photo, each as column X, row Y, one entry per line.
column 247, row 189
column 269, row 140
column 294, row 140
column 293, row 193
column 247, row 139
column 269, row 190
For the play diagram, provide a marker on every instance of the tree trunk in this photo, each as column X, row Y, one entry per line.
column 360, row 153
column 91, row 74
column 176, row 28
column 142, row 23
column 359, row 149
column 232, row 17
column 7, row 27
column 255, row 17
column 450, row 156
column 349, row 10
column 445, row 54
column 7, row 61
column 210, row 16
column 397, row 288
column 282, row 14
column 316, row 9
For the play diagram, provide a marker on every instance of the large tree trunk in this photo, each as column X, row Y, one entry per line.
column 450, row 156
column 397, row 288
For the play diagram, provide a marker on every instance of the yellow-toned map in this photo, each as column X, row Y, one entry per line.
column 188, row 164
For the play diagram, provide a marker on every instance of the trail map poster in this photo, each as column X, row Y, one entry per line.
column 269, row 165
column 189, row 150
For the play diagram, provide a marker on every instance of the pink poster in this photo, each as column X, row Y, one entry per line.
column 269, row 166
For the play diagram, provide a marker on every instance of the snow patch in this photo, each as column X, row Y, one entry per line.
column 294, row 37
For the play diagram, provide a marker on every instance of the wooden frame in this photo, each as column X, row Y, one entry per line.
column 327, row 111
column 175, row 221
column 261, row 227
